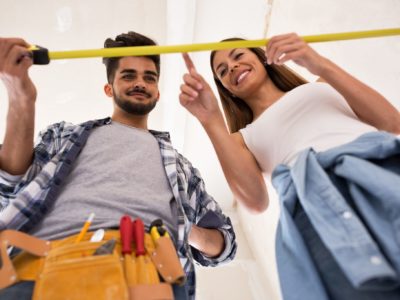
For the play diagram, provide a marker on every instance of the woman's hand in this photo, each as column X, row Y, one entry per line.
column 196, row 95
column 369, row 105
column 285, row 47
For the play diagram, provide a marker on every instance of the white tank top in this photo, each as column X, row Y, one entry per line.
column 311, row 115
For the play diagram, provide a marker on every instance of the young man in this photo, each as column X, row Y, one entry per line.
column 112, row 167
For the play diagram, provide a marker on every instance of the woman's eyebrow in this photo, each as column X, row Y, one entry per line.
column 231, row 53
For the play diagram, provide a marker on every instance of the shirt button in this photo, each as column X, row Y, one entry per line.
column 375, row 260
column 347, row 215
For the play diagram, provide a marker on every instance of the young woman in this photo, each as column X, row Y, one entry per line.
column 333, row 155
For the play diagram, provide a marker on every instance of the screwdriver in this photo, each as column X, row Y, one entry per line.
column 126, row 232
column 147, row 273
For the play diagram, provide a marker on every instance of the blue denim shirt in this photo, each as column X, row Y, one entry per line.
column 351, row 195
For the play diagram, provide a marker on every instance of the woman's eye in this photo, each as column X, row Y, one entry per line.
column 237, row 56
column 222, row 73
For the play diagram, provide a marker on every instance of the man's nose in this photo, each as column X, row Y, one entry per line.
column 139, row 84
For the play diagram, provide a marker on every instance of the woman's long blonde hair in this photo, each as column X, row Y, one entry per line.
column 237, row 113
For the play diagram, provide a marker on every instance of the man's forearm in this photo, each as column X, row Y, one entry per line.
column 208, row 241
column 17, row 150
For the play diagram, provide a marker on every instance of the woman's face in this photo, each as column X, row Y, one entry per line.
column 239, row 70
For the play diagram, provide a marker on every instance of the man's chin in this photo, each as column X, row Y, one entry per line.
column 138, row 97
column 136, row 108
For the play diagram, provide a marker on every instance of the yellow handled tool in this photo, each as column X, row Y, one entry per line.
column 42, row 56
column 157, row 229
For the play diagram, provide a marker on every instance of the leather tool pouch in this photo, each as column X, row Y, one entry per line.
column 66, row 270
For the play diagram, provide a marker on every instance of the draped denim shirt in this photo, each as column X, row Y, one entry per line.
column 351, row 195
column 24, row 200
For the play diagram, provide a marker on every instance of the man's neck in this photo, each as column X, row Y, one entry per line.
column 131, row 120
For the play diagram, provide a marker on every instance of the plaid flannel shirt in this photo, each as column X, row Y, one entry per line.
column 25, row 199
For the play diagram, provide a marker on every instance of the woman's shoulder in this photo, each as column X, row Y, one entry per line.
column 309, row 92
column 291, row 101
column 316, row 85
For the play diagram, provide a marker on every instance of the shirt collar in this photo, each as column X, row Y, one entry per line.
column 156, row 133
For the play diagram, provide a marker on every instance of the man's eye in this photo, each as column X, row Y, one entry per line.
column 151, row 78
column 127, row 77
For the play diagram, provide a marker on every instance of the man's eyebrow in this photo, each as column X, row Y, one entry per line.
column 151, row 73
column 230, row 54
column 133, row 71
column 128, row 71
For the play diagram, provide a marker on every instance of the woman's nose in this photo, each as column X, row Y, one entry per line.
column 233, row 67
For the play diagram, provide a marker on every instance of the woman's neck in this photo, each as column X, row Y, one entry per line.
column 263, row 98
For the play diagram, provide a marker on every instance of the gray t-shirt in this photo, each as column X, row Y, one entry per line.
column 118, row 172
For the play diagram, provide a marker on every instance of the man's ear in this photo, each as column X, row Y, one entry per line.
column 158, row 95
column 108, row 90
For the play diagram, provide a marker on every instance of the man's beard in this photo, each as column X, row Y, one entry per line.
column 135, row 108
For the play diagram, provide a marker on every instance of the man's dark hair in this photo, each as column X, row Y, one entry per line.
column 129, row 39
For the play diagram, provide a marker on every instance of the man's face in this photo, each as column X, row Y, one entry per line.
column 135, row 85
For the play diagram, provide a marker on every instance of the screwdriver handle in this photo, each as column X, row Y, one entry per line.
column 126, row 231
column 139, row 237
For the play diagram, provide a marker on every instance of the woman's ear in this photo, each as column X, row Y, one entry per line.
column 108, row 90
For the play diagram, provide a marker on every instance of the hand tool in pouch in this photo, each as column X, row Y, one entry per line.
column 147, row 273
column 162, row 240
column 158, row 229
column 106, row 248
column 126, row 231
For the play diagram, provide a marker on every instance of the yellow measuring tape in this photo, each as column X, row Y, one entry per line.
column 151, row 50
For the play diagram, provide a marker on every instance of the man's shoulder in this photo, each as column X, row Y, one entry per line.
column 60, row 132
column 65, row 127
column 161, row 134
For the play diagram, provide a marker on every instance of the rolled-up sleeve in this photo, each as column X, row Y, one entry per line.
column 11, row 185
column 8, row 182
column 209, row 215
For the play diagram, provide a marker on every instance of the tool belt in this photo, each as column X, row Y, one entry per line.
column 63, row 269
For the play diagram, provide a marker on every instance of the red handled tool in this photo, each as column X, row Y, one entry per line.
column 126, row 232
column 147, row 273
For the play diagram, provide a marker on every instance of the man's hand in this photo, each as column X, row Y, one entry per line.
column 17, row 150
column 15, row 60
